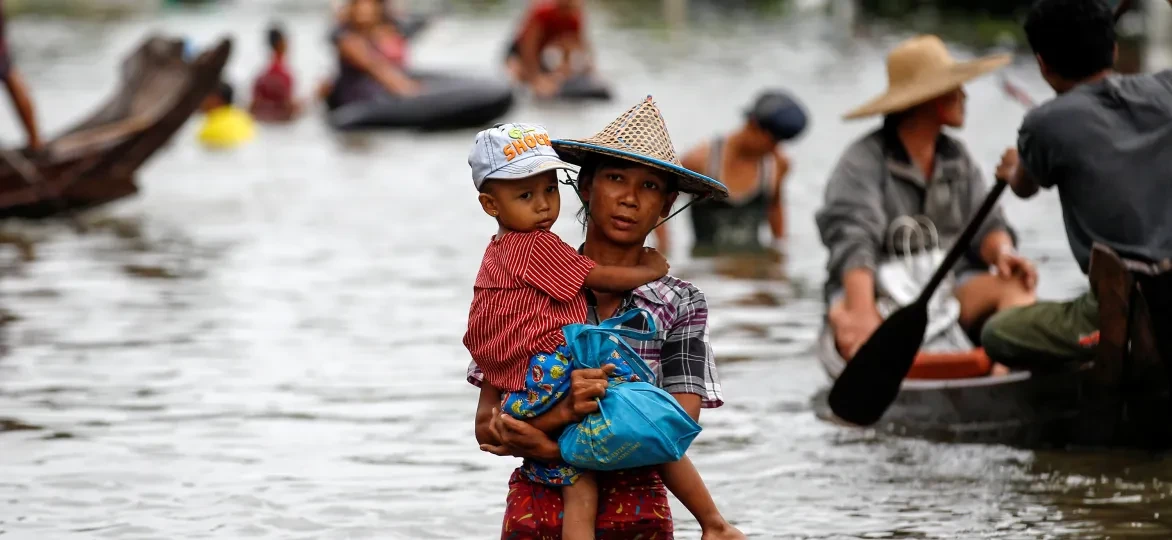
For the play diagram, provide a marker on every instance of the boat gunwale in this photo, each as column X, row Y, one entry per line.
column 833, row 364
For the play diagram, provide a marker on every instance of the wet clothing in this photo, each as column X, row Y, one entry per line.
column 226, row 127
column 272, row 93
column 875, row 182
column 529, row 286
column 1043, row 334
column 631, row 504
column 553, row 22
column 733, row 225
column 680, row 355
column 1107, row 147
column 354, row 84
column 633, row 501
column 547, row 380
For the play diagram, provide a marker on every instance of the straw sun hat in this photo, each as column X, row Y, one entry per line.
column 920, row 69
column 640, row 135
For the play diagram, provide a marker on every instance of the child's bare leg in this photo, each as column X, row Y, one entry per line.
column 580, row 501
column 683, row 480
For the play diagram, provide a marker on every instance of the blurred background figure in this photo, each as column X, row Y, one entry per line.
column 273, row 91
column 225, row 125
column 550, row 27
column 17, row 90
column 372, row 56
column 751, row 163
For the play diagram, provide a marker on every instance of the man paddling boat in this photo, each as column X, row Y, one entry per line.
column 1105, row 142
column 909, row 166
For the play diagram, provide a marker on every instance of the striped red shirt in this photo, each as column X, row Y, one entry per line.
column 529, row 287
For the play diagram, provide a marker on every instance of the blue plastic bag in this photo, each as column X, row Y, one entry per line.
column 638, row 424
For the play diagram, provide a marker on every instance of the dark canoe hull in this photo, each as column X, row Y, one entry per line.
column 1065, row 409
column 583, row 88
column 448, row 101
column 94, row 162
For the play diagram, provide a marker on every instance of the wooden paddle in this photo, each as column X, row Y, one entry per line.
column 872, row 378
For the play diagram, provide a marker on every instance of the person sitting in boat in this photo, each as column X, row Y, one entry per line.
column 272, row 92
column 624, row 198
column 549, row 25
column 753, row 166
column 17, row 89
column 225, row 125
column 1105, row 142
column 372, row 57
column 909, row 167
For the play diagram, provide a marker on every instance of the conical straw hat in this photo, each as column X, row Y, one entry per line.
column 920, row 69
column 640, row 135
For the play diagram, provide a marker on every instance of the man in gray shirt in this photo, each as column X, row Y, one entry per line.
column 1106, row 143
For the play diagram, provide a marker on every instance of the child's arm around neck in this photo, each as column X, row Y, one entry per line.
column 617, row 279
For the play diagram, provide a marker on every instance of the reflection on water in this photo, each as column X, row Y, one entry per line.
column 266, row 343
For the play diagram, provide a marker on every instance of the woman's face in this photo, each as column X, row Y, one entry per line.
column 759, row 139
column 950, row 108
column 365, row 12
column 626, row 203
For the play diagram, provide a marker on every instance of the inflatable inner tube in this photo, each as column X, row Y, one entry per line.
column 447, row 102
column 411, row 24
column 583, row 87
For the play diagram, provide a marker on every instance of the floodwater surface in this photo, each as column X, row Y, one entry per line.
column 266, row 342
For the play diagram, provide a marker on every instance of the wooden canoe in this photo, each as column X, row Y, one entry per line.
column 94, row 162
column 1119, row 400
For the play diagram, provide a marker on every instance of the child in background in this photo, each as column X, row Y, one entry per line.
column 225, row 125
column 272, row 92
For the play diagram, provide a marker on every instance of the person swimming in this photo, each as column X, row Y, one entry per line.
column 225, row 125
column 752, row 164
column 549, row 24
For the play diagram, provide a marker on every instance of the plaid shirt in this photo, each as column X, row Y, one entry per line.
column 680, row 353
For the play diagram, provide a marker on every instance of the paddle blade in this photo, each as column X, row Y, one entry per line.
column 871, row 380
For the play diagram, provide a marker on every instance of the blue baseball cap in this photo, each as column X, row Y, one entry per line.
column 513, row 151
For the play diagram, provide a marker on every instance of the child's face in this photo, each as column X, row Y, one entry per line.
column 524, row 205
column 210, row 102
column 365, row 12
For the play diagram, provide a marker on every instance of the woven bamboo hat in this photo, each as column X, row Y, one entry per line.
column 920, row 69
column 640, row 135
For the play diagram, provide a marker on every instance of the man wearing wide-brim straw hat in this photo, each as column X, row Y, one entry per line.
column 628, row 180
column 909, row 167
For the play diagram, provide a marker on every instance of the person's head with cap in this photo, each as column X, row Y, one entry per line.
column 514, row 167
column 924, row 82
column 630, row 176
column 775, row 116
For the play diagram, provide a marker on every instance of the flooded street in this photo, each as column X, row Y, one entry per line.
column 266, row 343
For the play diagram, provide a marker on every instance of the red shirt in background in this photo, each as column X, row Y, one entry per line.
column 272, row 93
column 553, row 21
